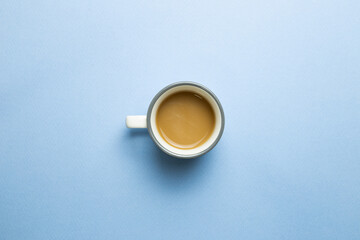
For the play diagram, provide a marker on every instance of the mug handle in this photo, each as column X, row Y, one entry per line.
column 138, row 121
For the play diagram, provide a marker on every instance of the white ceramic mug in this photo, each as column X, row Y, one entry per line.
column 148, row 121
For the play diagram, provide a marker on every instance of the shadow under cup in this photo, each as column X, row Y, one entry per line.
column 186, row 87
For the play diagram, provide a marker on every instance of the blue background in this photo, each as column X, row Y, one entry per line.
column 286, row 72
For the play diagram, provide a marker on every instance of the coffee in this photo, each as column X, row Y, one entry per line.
column 185, row 120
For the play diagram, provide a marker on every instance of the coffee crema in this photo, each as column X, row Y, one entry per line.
column 185, row 120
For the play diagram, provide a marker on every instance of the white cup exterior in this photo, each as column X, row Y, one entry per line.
column 179, row 87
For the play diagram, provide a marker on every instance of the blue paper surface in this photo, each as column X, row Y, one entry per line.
column 287, row 74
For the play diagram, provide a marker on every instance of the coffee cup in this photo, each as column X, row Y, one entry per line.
column 184, row 119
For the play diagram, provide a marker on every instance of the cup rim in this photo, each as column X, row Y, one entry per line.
column 165, row 89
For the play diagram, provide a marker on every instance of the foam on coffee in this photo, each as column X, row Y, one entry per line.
column 185, row 120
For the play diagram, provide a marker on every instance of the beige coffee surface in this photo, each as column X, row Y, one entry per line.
column 185, row 120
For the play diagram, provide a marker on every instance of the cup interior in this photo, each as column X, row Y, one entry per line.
column 186, row 153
